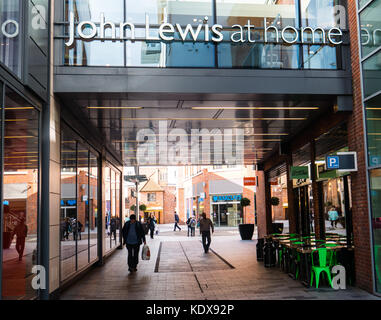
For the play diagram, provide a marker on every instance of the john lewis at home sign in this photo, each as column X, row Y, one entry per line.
column 202, row 32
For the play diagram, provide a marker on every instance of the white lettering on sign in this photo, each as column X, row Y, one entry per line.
column 288, row 35
column 6, row 26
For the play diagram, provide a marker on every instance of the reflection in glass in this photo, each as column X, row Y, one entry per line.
column 113, row 211
column 375, row 191
column 20, row 205
column 81, row 226
column 93, row 207
column 372, row 75
column 319, row 57
column 370, row 27
column 68, row 203
column 107, row 235
column 10, row 49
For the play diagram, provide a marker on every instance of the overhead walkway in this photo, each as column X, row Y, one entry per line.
column 179, row 269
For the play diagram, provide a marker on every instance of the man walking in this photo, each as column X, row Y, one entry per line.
column 177, row 220
column 133, row 236
column 151, row 222
column 205, row 225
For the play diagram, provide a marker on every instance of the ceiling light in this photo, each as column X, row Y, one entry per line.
column 211, row 119
column 255, row 108
column 114, row 107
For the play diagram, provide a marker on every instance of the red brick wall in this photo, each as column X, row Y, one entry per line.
column 356, row 134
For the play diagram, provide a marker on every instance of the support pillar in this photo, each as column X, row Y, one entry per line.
column 292, row 214
column 317, row 194
column 264, row 220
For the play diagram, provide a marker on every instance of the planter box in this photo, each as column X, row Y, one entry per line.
column 246, row 231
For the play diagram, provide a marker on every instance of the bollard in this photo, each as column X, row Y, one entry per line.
column 260, row 245
column 269, row 254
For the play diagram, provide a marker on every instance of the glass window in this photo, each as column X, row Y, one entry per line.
column 372, row 75
column 10, row 49
column 113, row 218
column 370, row 28
column 373, row 123
column 93, row 207
column 95, row 53
column 151, row 197
column 118, row 209
column 320, row 57
column 68, row 203
column 107, row 234
column 375, row 189
column 20, row 196
column 80, row 230
column 79, row 203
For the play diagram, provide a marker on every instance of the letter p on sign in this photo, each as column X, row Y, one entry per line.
column 332, row 162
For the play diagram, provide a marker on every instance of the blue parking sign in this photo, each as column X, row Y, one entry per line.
column 333, row 162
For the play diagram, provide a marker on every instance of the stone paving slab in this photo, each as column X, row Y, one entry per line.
column 207, row 281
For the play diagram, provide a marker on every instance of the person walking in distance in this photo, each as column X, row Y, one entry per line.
column 189, row 226
column 177, row 220
column 133, row 237
column 205, row 225
column 151, row 222
column 21, row 232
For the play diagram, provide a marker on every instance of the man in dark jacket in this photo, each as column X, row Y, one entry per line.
column 205, row 225
column 177, row 220
column 133, row 236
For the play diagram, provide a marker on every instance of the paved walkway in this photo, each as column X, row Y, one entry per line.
column 179, row 269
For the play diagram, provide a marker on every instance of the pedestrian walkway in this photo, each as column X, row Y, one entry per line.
column 179, row 269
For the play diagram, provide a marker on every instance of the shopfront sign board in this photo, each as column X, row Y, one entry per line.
column 301, row 172
column 342, row 161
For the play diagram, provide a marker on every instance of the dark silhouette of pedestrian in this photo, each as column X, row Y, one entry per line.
column 133, row 236
column 151, row 222
column 177, row 220
column 21, row 232
column 205, row 225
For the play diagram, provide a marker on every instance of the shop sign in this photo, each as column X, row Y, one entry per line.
column 201, row 32
column 68, row 203
column 225, row 198
column 249, row 181
column 342, row 161
column 301, row 172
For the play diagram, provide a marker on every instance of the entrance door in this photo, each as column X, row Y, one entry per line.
column 223, row 214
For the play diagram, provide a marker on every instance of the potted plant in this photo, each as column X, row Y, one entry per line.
column 277, row 227
column 246, row 230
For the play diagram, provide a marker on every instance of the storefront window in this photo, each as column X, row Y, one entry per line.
column 68, row 203
column 81, row 229
column 20, row 196
column 373, row 114
column 107, row 184
column 375, row 190
column 93, row 207
column 79, row 203
column 228, row 214
column 370, row 27
column 372, row 75
column 112, row 213
column 10, row 34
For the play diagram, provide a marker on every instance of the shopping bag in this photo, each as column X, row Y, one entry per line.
column 146, row 253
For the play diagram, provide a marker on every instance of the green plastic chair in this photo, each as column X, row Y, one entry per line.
column 298, row 258
column 324, row 265
column 332, row 252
